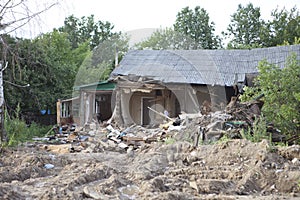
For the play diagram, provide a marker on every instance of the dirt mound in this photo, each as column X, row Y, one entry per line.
column 227, row 170
column 234, row 167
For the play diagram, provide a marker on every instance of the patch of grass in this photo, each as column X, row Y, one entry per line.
column 223, row 139
column 282, row 144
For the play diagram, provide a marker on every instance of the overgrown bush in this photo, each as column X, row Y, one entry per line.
column 18, row 131
column 281, row 89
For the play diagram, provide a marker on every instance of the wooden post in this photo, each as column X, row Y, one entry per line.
column 196, row 138
column 58, row 112
column 199, row 135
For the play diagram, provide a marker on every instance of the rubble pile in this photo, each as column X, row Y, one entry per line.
column 193, row 128
column 236, row 117
column 235, row 120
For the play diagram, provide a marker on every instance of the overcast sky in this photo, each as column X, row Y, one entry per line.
column 131, row 15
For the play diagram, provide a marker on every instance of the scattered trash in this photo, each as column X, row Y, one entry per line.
column 49, row 166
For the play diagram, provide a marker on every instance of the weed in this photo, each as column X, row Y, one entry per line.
column 223, row 139
column 246, row 134
column 282, row 144
column 170, row 140
column 258, row 131
column 272, row 148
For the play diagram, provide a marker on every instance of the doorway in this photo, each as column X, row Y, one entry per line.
column 146, row 114
column 103, row 106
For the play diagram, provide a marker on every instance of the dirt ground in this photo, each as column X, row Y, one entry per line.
column 233, row 169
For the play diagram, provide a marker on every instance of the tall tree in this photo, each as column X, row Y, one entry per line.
column 48, row 64
column 102, row 60
column 245, row 27
column 103, row 43
column 195, row 24
column 284, row 27
column 166, row 38
column 87, row 29
column 13, row 15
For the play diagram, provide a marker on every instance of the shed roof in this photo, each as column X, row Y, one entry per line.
column 98, row 86
column 212, row 67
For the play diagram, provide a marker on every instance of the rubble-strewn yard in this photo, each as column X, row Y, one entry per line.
column 166, row 162
column 233, row 169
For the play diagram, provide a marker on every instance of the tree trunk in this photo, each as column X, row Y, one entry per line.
column 2, row 130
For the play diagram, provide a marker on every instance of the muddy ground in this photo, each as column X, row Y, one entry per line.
column 233, row 169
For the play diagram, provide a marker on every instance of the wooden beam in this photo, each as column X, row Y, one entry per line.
column 161, row 114
column 58, row 112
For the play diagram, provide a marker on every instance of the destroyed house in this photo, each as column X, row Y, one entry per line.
column 153, row 83
column 93, row 103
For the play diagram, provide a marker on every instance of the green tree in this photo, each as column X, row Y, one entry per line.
column 195, row 25
column 87, row 29
column 166, row 38
column 49, row 64
column 13, row 15
column 245, row 27
column 283, row 28
column 101, row 61
column 281, row 89
column 103, row 43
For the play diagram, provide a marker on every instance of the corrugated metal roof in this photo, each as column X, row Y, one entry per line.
column 212, row 67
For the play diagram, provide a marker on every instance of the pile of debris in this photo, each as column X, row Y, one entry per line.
column 234, row 121
column 231, row 122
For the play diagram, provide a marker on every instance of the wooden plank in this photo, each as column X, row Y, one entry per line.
column 161, row 114
column 58, row 112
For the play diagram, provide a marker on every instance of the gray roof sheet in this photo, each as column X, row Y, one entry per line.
column 213, row 67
